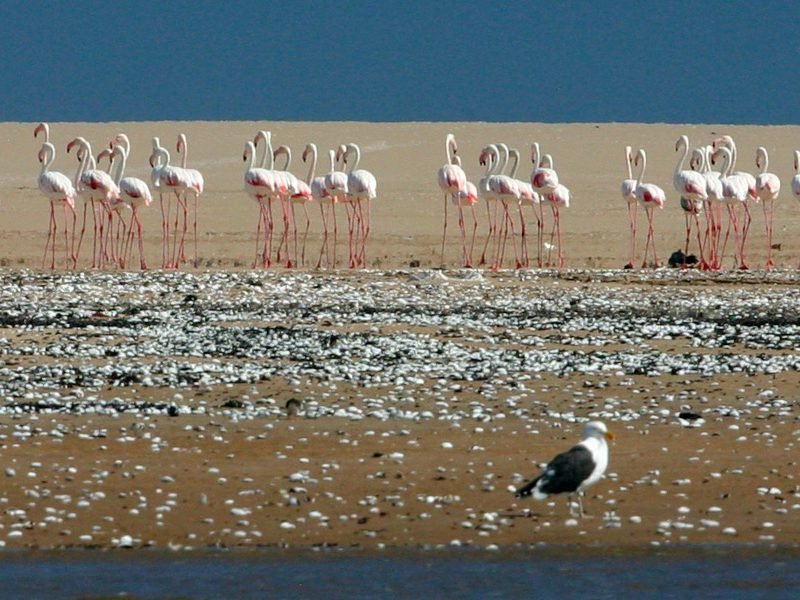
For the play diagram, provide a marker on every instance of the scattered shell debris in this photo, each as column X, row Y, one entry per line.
column 394, row 408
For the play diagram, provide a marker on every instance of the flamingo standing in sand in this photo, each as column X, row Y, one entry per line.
column 768, row 187
column 325, row 201
column 283, row 193
column 649, row 196
column 488, row 159
column 135, row 193
column 628, row 192
column 336, row 186
column 299, row 193
column 526, row 196
column 544, row 181
column 98, row 188
column 362, row 189
column 195, row 188
column 752, row 194
column 735, row 193
column 59, row 190
column 691, row 186
column 167, row 178
column 796, row 177
column 559, row 198
column 261, row 185
column 452, row 179
column 506, row 191
column 115, row 236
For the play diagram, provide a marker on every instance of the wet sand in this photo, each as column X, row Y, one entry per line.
column 428, row 395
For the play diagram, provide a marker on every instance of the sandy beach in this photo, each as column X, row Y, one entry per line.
column 149, row 409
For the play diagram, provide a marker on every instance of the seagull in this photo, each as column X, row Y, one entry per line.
column 574, row 470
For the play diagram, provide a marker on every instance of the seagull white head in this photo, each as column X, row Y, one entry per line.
column 596, row 429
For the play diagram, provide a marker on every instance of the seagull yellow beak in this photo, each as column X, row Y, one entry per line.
column 608, row 435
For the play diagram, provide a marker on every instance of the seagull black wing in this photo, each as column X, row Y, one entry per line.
column 562, row 474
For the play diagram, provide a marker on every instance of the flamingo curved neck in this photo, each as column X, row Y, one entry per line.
column 683, row 143
column 763, row 159
column 313, row 166
column 119, row 159
column 49, row 156
column 503, row 158
column 356, row 151
column 332, row 155
column 182, row 149
column 515, row 155
column 628, row 161
column 643, row 156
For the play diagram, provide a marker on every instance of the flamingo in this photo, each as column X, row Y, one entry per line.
column 768, row 187
column 467, row 198
column 319, row 193
column 735, row 191
column 42, row 128
column 261, row 185
column 116, row 207
column 544, row 181
column 59, row 190
column 166, row 177
column 135, row 193
column 452, row 180
column 559, row 198
column 796, row 176
column 299, row 193
column 526, row 196
column 628, row 191
column 336, row 187
column 701, row 162
column 691, row 186
column 649, row 196
column 362, row 189
column 488, row 158
column 506, row 190
column 752, row 194
column 282, row 194
column 95, row 186
column 195, row 188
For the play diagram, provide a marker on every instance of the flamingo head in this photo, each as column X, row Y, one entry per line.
column 725, row 140
column 305, row 153
column 41, row 155
column 482, row 159
column 73, row 143
column 181, row 143
column 41, row 127
column 105, row 153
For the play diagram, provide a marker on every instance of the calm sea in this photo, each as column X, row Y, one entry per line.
column 696, row 573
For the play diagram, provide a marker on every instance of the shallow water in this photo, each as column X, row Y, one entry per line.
column 699, row 573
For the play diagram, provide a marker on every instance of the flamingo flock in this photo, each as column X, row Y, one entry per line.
column 717, row 200
column 505, row 197
column 714, row 196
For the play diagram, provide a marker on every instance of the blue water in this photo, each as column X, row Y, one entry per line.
column 705, row 573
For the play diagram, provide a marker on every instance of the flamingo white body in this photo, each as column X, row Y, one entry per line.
column 100, row 190
column 768, row 188
column 135, row 193
column 262, row 186
column 692, row 188
column 282, row 196
column 326, row 203
column 628, row 192
column 735, row 193
column 559, row 197
column 506, row 190
column 58, row 189
column 649, row 196
column 167, row 178
column 362, row 189
column 726, row 141
column 795, row 184
column 452, row 182
column 299, row 194
column 527, row 197
column 195, row 188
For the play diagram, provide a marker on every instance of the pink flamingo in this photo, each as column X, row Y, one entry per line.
column 506, row 190
column 283, row 192
column 362, row 189
column 324, row 200
column 261, row 185
column 58, row 190
column 195, row 188
column 467, row 198
column 290, row 184
column 628, row 192
column 527, row 196
column 96, row 187
column 489, row 159
column 135, row 193
column 701, row 162
column 752, row 194
column 336, row 187
column 735, row 192
column 650, row 196
column 559, row 198
column 768, row 187
column 115, row 237
column 544, row 181
column 166, row 178
column 452, row 179
column 691, row 186
column 299, row 193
